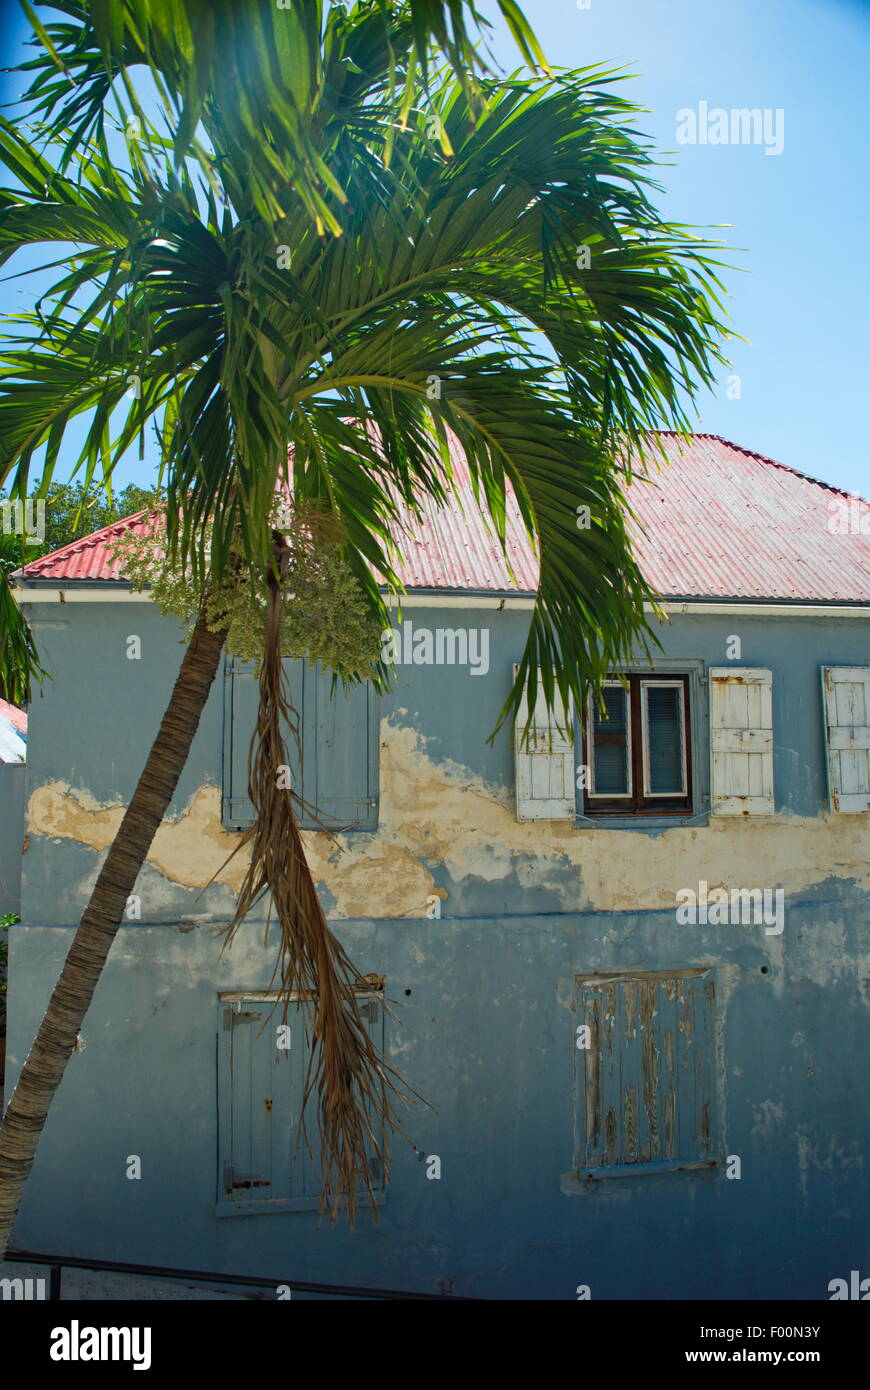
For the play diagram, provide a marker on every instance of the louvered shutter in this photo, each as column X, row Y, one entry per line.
column 846, row 692
column 339, row 772
column 346, row 758
column 261, row 1088
column 544, row 764
column 741, row 741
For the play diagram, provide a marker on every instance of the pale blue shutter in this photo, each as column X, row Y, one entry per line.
column 241, row 698
column 339, row 734
column 345, row 759
column 264, row 1162
column 255, row 1105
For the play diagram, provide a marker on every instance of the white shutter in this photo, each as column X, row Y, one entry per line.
column 847, row 715
column 741, row 741
column 545, row 764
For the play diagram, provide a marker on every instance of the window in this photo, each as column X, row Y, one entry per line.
column 261, row 1081
column 339, row 736
column 638, row 749
column 644, row 1072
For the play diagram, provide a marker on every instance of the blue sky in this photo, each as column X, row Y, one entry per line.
column 799, row 218
column 802, row 217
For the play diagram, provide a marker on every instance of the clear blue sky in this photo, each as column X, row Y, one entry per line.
column 800, row 219
column 802, row 297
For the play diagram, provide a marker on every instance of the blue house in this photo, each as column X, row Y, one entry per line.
column 626, row 962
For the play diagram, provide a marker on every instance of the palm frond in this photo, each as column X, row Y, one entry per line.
column 20, row 665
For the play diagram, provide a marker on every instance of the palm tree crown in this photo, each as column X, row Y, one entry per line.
column 485, row 258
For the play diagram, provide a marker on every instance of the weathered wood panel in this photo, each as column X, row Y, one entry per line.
column 646, row 1082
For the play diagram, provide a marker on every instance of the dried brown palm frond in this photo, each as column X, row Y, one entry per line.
column 356, row 1090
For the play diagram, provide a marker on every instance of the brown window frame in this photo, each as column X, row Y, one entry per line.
column 636, row 802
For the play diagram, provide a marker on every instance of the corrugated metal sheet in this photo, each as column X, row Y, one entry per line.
column 88, row 558
column 717, row 521
column 17, row 717
column 13, row 741
column 721, row 521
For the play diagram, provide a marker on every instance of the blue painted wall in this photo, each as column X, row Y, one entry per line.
column 484, row 1024
column 11, row 835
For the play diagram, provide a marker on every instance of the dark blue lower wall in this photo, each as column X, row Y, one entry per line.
column 486, row 1034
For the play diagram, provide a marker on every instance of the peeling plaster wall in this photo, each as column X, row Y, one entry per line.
column 447, row 826
column 441, row 827
column 486, row 1033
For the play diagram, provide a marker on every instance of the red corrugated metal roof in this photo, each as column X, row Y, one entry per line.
column 17, row 718
column 718, row 522
column 87, row 558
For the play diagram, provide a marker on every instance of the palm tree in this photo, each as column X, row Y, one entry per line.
column 341, row 253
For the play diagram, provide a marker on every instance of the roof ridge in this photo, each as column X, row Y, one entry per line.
column 763, row 458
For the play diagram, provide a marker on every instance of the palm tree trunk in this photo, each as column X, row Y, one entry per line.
column 56, row 1039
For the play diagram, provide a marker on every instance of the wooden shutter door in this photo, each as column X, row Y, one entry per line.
column 341, row 752
column 339, row 734
column 646, row 1085
column 241, row 702
column 741, row 741
column 254, row 1080
column 846, row 692
column 545, row 763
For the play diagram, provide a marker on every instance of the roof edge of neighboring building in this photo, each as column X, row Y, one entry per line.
column 91, row 539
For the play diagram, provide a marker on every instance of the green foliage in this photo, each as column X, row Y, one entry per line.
column 259, row 82
column 72, row 512
column 430, row 237
column 324, row 616
column 20, row 664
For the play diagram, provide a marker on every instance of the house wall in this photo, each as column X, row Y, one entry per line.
column 484, row 1017
column 11, row 835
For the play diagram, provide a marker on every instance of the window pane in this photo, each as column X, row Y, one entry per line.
column 664, row 738
column 610, row 743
